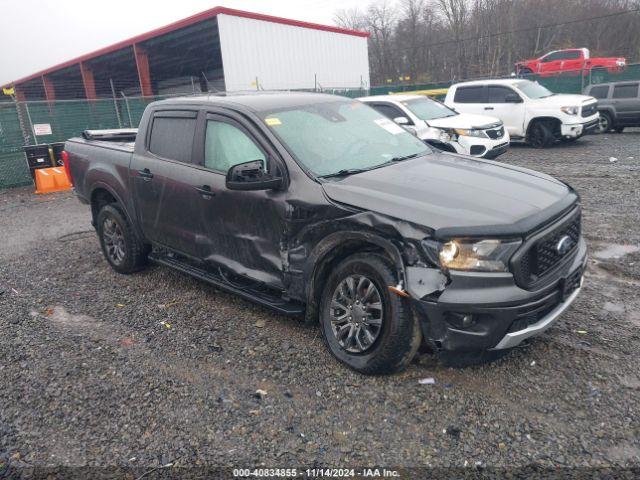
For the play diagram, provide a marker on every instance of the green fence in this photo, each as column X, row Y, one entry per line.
column 19, row 123
column 569, row 82
column 13, row 167
column 68, row 118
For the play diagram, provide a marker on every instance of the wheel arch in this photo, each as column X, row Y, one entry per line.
column 335, row 248
column 103, row 194
column 555, row 122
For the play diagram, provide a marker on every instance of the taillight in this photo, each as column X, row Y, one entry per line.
column 67, row 168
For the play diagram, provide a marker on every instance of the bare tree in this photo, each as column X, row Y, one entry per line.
column 434, row 40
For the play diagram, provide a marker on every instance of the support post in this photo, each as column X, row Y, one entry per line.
column 49, row 89
column 115, row 103
column 88, row 81
column 144, row 74
column 126, row 102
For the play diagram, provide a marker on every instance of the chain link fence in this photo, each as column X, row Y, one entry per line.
column 574, row 81
column 20, row 122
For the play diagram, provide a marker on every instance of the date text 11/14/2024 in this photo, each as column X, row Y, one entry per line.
column 316, row 473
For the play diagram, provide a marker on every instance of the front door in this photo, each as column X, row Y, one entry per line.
column 163, row 179
column 244, row 229
column 511, row 114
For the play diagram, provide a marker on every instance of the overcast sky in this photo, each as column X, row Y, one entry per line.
column 37, row 34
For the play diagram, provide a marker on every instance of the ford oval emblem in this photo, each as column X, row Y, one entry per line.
column 565, row 244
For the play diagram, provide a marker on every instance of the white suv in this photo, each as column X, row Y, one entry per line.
column 530, row 112
column 442, row 127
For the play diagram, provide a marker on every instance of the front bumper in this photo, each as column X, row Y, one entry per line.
column 482, row 147
column 504, row 314
column 576, row 130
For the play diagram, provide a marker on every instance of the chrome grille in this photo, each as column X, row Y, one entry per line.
column 543, row 255
column 588, row 110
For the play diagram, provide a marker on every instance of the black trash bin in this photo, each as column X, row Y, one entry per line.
column 57, row 149
column 37, row 157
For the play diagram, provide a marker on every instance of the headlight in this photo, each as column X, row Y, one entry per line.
column 469, row 132
column 444, row 137
column 620, row 63
column 570, row 110
column 487, row 255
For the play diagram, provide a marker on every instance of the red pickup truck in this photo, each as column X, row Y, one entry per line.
column 572, row 61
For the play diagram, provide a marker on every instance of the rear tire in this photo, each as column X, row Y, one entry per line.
column 120, row 246
column 351, row 308
column 540, row 135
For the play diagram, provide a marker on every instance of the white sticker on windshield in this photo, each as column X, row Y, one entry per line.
column 389, row 126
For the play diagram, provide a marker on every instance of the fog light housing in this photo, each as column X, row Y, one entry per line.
column 460, row 320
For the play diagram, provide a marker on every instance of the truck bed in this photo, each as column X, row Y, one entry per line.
column 101, row 156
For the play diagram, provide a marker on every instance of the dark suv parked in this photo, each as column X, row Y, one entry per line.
column 618, row 104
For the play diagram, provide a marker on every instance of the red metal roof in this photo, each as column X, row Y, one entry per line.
column 207, row 14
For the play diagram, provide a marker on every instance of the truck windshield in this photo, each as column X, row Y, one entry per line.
column 341, row 135
column 533, row 90
column 427, row 109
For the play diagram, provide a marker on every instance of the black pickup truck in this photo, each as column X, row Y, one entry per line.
column 317, row 206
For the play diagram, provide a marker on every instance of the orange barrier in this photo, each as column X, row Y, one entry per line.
column 51, row 180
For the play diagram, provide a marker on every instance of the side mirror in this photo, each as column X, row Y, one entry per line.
column 402, row 121
column 251, row 176
column 512, row 98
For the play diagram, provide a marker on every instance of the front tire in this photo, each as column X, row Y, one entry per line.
column 365, row 326
column 120, row 246
column 540, row 135
column 605, row 123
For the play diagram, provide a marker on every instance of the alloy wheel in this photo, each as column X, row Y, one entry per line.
column 113, row 240
column 356, row 313
column 603, row 124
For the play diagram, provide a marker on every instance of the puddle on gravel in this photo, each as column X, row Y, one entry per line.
column 60, row 316
column 613, row 307
column 630, row 381
column 615, row 251
column 634, row 317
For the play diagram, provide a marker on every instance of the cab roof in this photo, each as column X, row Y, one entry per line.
column 493, row 81
column 256, row 101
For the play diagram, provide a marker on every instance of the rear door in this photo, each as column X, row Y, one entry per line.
column 164, row 181
column 511, row 114
column 470, row 99
column 572, row 61
column 627, row 103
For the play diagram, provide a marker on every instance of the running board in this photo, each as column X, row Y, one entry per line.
column 253, row 294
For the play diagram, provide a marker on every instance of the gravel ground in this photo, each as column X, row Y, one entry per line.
column 101, row 369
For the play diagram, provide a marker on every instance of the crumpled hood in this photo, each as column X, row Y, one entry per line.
column 452, row 192
column 464, row 120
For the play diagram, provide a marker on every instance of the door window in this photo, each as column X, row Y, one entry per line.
column 600, row 92
column 572, row 55
column 172, row 137
column 227, row 145
column 469, row 95
column 498, row 94
column 553, row 57
column 626, row 91
column 389, row 111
